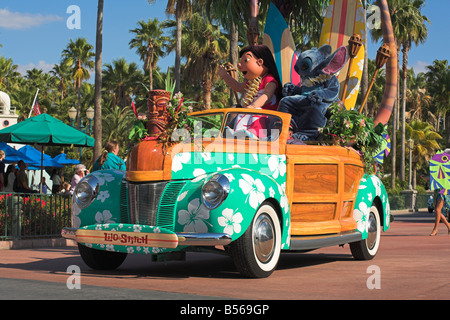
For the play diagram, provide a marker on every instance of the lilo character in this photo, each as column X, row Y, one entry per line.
column 261, row 87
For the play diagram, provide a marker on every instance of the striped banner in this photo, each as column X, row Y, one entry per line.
column 343, row 19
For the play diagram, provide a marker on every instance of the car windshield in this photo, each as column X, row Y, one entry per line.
column 209, row 125
column 252, row 126
column 239, row 126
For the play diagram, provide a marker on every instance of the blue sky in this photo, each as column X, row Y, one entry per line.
column 34, row 32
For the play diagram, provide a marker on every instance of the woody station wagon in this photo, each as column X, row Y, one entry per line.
column 251, row 198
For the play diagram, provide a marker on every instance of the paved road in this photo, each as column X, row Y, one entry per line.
column 410, row 265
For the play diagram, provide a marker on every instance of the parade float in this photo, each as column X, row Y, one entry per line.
column 250, row 197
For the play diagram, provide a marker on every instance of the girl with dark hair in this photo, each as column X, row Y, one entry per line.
column 261, row 88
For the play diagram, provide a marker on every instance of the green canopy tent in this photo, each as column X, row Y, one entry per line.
column 45, row 130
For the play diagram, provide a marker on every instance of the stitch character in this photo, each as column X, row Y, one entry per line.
column 319, row 89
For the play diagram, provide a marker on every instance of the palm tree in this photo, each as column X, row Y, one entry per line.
column 205, row 47
column 61, row 72
column 98, row 82
column 376, row 94
column 117, row 123
column 182, row 10
column 79, row 56
column 418, row 100
column 438, row 81
column 121, row 79
column 8, row 72
column 425, row 144
column 415, row 31
column 405, row 16
column 150, row 44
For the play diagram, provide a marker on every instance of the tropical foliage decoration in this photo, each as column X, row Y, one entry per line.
column 352, row 129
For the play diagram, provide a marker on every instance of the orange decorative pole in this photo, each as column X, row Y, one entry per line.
column 383, row 54
column 354, row 44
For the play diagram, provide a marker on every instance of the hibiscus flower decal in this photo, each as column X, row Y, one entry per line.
column 277, row 166
column 231, row 221
column 361, row 215
column 193, row 219
column 253, row 188
column 104, row 217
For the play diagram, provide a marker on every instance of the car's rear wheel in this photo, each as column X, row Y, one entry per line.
column 257, row 251
column 367, row 249
column 101, row 260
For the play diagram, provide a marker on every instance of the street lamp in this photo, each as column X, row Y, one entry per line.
column 410, row 146
column 87, row 130
column 89, row 114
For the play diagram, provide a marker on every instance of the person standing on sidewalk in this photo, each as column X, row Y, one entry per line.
column 109, row 158
column 442, row 202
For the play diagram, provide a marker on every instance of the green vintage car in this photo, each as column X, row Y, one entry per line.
column 249, row 197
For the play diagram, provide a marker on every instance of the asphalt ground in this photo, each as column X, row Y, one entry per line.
column 410, row 265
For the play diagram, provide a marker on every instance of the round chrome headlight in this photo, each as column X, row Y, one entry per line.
column 86, row 191
column 215, row 191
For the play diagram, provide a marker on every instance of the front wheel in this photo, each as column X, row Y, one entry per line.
column 367, row 249
column 101, row 260
column 257, row 251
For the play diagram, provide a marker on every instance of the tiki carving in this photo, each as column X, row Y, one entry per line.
column 158, row 116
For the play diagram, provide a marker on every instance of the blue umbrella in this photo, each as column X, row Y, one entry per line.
column 39, row 159
column 12, row 155
column 62, row 159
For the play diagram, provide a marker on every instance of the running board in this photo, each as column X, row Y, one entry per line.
column 316, row 242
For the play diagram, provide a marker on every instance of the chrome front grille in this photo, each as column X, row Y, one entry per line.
column 155, row 203
column 144, row 200
column 168, row 204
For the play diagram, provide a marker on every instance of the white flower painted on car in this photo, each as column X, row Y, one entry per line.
column 361, row 215
column 388, row 214
column 231, row 221
column 271, row 192
column 206, row 156
column 193, row 219
column 377, row 184
column 76, row 221
column 253, row 188
column 179, row 159
column 229, row 176
column 182, row 195
column 103, row 217
column 284, row 203
column 277, row 166
column 103, row 195
column 104, row 177
column 198, row 172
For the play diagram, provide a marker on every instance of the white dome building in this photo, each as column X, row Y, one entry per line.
column 8, row 114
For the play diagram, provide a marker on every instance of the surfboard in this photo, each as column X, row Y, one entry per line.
column 343, row 19
column 278, row 37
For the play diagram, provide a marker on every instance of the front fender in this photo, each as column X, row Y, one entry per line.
column 248, row 190
column 371, row 190
column 106, row 206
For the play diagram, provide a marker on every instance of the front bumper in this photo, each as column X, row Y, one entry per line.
column 162, row 238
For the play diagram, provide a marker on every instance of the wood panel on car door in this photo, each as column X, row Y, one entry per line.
column 321, row 186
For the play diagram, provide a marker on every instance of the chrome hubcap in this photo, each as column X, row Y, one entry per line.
column 264, row 238
column 372, row 232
